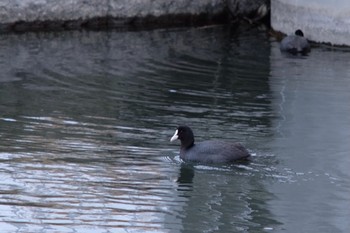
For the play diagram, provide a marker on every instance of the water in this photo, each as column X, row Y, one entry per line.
column 86, row 119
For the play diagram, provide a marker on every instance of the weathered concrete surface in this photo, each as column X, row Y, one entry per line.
column 321, row 20
column 21, row 15
column 42, row 10
column 75, row 13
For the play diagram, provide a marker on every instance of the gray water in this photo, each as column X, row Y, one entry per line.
column 86, row 118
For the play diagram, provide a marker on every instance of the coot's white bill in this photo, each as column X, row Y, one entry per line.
column 173, row 138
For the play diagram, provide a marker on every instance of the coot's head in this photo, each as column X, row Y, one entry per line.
column 185, row 135
column 299, row 33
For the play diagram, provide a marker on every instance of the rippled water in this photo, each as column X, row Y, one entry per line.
column 86, row 119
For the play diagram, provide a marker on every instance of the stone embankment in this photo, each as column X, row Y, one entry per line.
column 23, row 15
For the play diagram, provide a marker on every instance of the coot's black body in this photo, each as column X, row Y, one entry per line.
column 295, row 44
column 213, row 151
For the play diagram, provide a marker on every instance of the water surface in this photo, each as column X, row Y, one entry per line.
column 86, row 119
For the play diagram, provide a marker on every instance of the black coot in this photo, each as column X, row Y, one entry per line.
column 213, row 151
column 295, row 43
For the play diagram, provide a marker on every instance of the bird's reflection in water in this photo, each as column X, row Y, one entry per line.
column 186, row 175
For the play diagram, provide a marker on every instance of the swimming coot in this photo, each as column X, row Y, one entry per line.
column 213, row 151
column 295, row 43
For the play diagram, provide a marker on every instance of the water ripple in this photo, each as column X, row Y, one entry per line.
column 86, row 119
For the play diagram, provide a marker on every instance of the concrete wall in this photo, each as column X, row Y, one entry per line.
column 321, row 20
column 41, row 10
column 50, row 14
column 32, row 14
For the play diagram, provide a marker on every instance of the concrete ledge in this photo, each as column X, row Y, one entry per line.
column 321, row 20
column 22, row 15
column 29, row 15
column 48, row 10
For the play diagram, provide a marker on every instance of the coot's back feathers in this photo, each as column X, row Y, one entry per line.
column 295, row 44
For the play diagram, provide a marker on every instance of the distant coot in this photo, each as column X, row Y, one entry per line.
column 213, row 151
column 295, row 43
